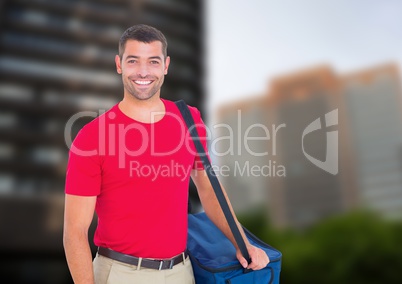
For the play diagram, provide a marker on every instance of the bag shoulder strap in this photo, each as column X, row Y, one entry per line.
column 188, row 118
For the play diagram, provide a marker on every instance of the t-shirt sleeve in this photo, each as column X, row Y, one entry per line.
column 83, row 175
column 202, row 133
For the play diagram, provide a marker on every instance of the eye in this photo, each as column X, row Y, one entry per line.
column 132, row 61
column 154, row 62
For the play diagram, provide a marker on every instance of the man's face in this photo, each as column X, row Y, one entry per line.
column 143, row 68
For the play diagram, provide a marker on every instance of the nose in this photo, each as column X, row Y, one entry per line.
column 142, row 70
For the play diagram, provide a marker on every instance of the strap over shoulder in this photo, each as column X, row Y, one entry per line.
column 188, row 118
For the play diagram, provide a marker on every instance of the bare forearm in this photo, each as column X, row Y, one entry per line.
column 259, row 259
column 79, row 258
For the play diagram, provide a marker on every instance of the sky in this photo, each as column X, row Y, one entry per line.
column 251, row 42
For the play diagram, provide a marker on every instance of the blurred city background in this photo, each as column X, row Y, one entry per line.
column 265, row 69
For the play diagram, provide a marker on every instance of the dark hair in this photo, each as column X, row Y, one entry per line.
column 142, row 33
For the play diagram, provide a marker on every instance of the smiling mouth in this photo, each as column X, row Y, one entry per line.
column 142, row 82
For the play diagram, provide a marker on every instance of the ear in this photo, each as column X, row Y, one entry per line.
column 118, row 64
column 167, row 62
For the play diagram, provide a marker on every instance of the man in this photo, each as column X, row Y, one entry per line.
column 132, row 166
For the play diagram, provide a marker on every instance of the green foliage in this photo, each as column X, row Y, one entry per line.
column 354, row 248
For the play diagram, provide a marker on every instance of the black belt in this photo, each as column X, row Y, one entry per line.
column 145, row 262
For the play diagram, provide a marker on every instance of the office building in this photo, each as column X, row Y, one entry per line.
column 374, row 108
column 341, row 146
column 307, row 179
column 57, row 61
column 318, row 181
column 241, row 148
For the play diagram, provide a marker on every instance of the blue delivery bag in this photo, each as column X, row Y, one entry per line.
column 213, row 256
column 214, row 260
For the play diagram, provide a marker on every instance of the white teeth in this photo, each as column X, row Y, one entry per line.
column 143, row 82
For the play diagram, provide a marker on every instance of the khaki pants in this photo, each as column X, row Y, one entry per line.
column 109, row 271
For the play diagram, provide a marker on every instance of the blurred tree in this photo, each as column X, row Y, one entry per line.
column 354, row 248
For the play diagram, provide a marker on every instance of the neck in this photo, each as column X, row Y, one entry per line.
column 147, row 111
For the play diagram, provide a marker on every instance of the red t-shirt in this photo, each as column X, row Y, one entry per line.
column 140, row 174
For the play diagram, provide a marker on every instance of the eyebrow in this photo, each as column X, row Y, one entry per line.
column 136, row 57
